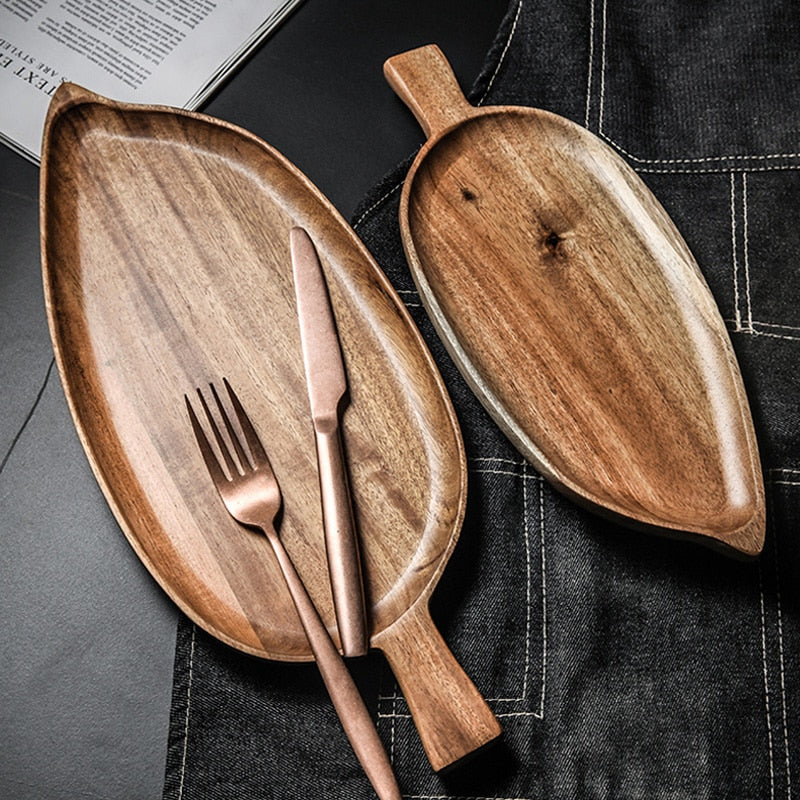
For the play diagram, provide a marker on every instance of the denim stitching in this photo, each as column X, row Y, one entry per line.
column 502, row 55
column 699, row 160
column 746, row 250
column 782, row 677
column 379, row 202
column 710, row 170
column 456, row 797
column 754, row 331
column 775, row 325
column 414, row 302
column 188, row 708
column 602, row 71
column 527, row 475
column 741, row 289
column 795, row 473
column 734, row 240
column 766, row 685
column 781, row 662
column 768, row 701
column 740, row 244
column 590, row 66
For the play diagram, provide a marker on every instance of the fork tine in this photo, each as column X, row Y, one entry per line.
column 253, row 441
column 226, row 453
column 218, row 476
column 234, row 436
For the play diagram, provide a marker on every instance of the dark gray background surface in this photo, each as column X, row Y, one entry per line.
column 86, row 636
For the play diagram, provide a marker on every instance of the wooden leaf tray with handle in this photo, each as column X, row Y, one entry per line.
column 577, row 314
column 166, row 266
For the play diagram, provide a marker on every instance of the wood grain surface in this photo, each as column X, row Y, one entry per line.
column 166, row 265
column 577, row 314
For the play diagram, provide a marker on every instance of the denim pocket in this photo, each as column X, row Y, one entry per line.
column 492, row 609
column 690, row 83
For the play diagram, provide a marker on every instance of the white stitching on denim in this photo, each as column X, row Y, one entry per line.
column 744, row 323
column 712, row 170
column 602, row 71
column 456, row 797
column 525, row 521
column 737, row 310
column 502, row 55
column 754, row 331
column 775, row 325
column 544, row 597
column 783, row 678
column 526, row 475
column 590, row 65
column 412, row 293
column 702, row 159
column 766, row 684
column 779, row 623
column 380, row 201
column 786, row 482
column 746, row 250
column 188, row 708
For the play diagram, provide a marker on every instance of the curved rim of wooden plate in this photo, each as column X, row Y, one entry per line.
column 71, row 95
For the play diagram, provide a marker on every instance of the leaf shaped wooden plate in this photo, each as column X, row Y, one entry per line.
column 167, row 266
column 577, row 314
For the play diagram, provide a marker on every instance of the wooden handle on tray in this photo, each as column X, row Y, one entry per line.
column 451, row 716
column 424, row 81
column 353, row 714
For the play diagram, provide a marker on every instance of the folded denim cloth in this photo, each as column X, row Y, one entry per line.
column 621, row 665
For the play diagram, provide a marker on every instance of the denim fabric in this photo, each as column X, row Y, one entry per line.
column 621, row 665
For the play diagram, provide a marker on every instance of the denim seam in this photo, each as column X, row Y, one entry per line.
column 781, row 661
column 412, row 293
column 701, row 159
column 766, row 685
column 589, row 67
column 774, row 696
column 793, row 481
column 601, row 110
column 457, row 797
column 740, row 245
column 527, row 475
column 743, row 321
column 783, row 336
column 707, row 170
column 502, row 58
column 188, row 709
column 734, row 256
column 746, row 254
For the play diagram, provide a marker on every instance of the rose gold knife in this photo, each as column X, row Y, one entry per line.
column 327, row 384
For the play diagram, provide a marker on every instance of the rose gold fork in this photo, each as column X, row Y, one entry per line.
column 250, row 492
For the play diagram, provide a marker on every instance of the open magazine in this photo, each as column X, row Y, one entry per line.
column 170, row 52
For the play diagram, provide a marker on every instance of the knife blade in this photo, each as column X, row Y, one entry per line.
column 327, row 384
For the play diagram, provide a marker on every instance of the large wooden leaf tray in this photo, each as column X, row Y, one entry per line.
column 166, row 266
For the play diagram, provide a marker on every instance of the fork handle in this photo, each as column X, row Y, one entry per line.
column 349, row 705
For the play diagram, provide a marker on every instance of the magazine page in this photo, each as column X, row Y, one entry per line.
column 171, row 52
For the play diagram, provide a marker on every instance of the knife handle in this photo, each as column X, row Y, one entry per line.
column 344, row 560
